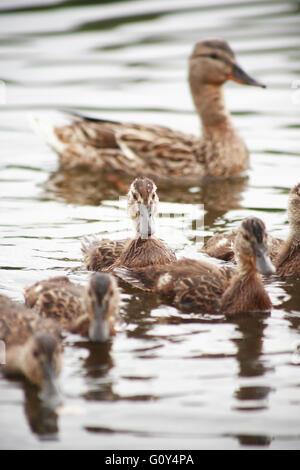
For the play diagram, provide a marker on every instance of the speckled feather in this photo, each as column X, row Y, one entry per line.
column 200, row 286
column 18, row 323
column 57, row 298
column 73, row 305
column 285, row 254
column 101, row 254
column 221, row 246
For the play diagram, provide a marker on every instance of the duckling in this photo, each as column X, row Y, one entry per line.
column 199, row 286
column 33, row 347
column 90, row 311
column 221, row 246
column 144, row 249
column 157, row 151
column 287, row 261
column 284, row 254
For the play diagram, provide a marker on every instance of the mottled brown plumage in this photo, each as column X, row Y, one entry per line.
column 90, row 311
column 288, row 259
column 159, row 151
column 221, row 246
column 144, row 249
column 285, row 254
column 203, row 287
column 33, row 345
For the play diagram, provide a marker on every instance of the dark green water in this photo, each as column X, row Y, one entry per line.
column 168, row 380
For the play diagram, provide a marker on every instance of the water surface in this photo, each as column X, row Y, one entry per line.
column 168, row 380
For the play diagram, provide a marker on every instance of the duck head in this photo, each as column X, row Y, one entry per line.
column 251, row 247
column 41, row 365
column 103, row 299
column 142, row 206
column 213, row 62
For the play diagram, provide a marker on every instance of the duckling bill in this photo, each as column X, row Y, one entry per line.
column 33, row 348
column 91, row 311
column 202, row 287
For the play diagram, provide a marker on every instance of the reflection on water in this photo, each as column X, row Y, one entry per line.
column 80, row 186
column 250, row 345
column 42, row 421
column 168, row 379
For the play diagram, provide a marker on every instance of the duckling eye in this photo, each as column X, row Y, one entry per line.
column 214, row 56
column 246, row 238
column 134, row 196
column 35, row 354
column 153, row 196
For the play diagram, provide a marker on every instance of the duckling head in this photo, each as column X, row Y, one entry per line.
column 213, row 62
column 251, row 247
column 294, row 211
column 41, row 365
column 142, row 206
column 103, row 300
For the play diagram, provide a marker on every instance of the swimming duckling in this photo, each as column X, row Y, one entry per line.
column 157, row 151
column 221, row 246
column 203, row 287
column 90, row 311
column 144, row 249
column 33, row 347
column 284, row 254
column 287, row 261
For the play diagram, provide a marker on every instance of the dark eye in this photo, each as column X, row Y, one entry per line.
column 35, row 353
column 153, row 197
column 214, row 56
column 246, row 238
column 134, row 196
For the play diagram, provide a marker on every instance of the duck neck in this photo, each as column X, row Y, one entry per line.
column 210, row 105
column 290, row 246
column 245, row 293
column 246, row 268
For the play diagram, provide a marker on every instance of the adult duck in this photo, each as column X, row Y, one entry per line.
column 89, row 311
column 144, row 249
column 158, row 151
column 33, row 347
column 199, row 286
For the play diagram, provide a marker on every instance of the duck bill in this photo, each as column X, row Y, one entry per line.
column 146, row 222
column 240, row 76
column 50, row 393
column 262, row 260
column 99, row 330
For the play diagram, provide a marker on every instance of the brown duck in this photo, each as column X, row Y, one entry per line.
column 33, row 347
column 284, row 254
column 287, row 261
column 144, row 249
column 90, row 311
column 199, row 286
column 157, row 151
